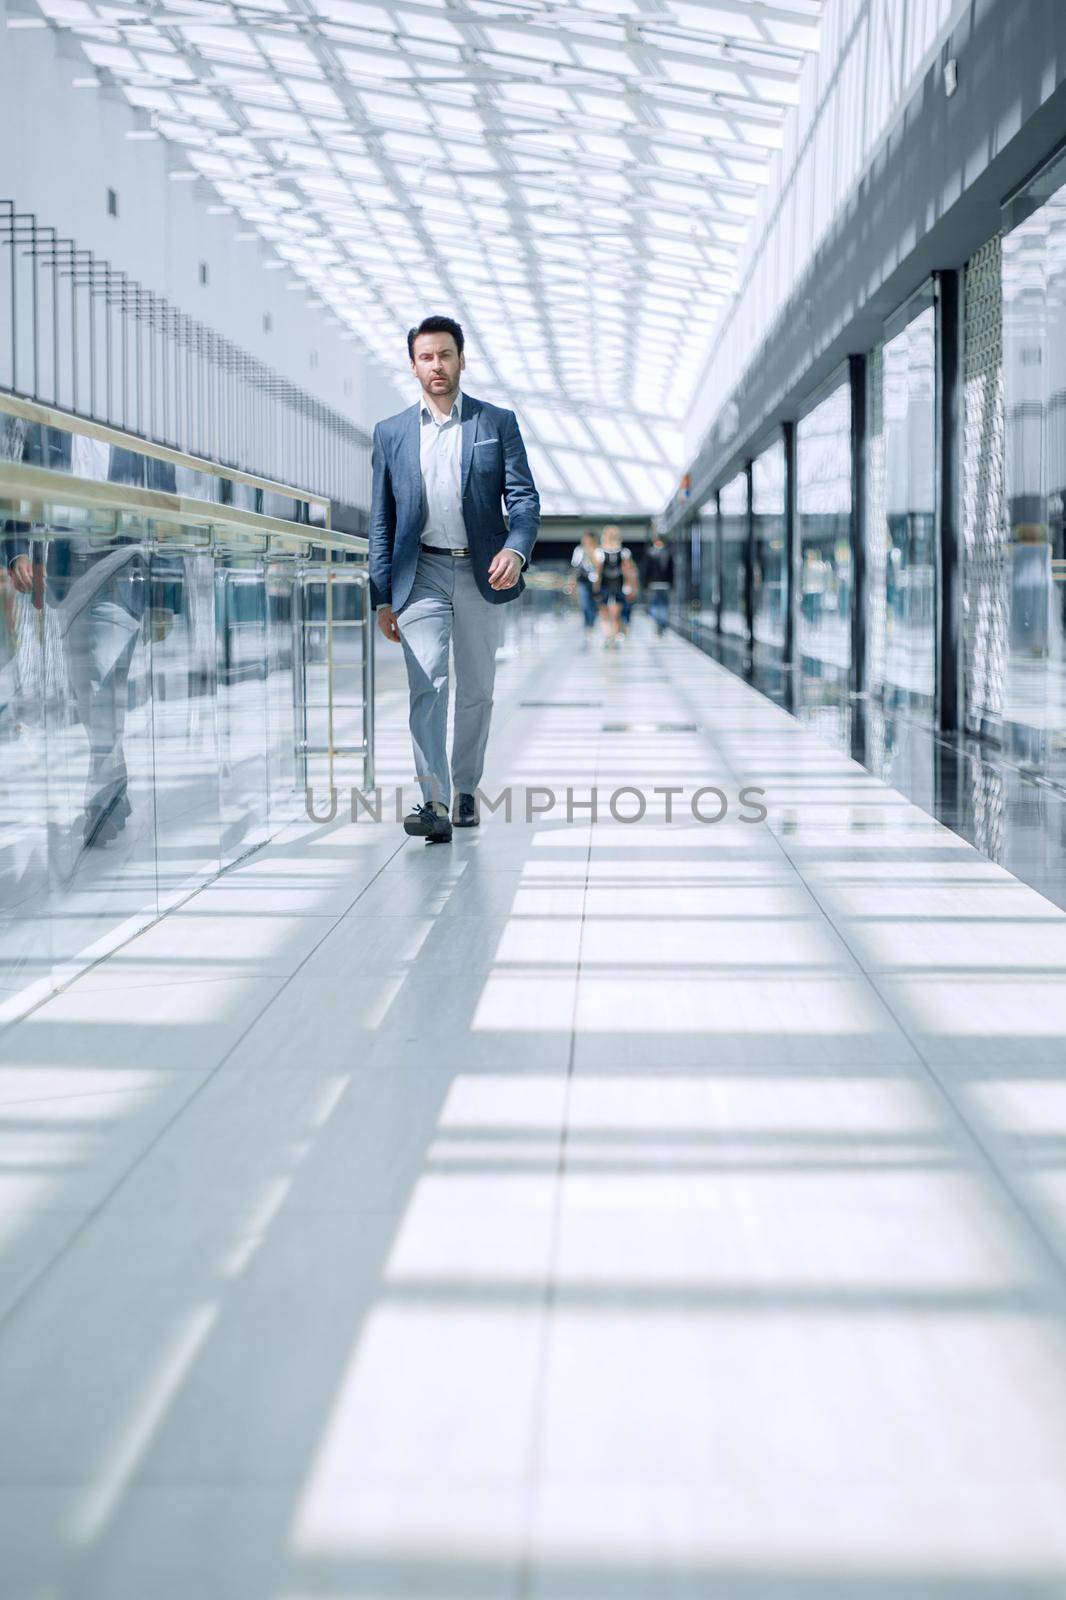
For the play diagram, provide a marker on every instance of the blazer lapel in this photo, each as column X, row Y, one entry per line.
column 471, row 412
column 412, row 448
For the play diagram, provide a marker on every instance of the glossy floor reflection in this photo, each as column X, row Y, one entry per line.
column 1009, row 802
column 659, row 1209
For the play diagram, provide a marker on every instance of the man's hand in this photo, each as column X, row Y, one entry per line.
column 388, row 623
column 504, row 569
column 21, row 570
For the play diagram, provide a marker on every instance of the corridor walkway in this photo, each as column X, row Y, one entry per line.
column 658, row 1209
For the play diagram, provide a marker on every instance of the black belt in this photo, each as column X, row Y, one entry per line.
column 446, row 550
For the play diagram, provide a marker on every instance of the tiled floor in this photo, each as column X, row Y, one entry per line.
column 588, row 1210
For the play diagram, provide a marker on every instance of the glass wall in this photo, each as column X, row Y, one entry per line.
column 823, row 511
column 151, row 712
column 770, row 574
column 705, row 545
column 681, row 595
column 733, row 532
column 1034, row 370
column 910, row 559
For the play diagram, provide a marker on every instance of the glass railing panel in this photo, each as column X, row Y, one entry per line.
column 78, row 771
column 733, row 530
column 186, row 754
column 823, row 506
column 28, row 665
column 769, row 574
column 158, row 687
column 284, row 785
column 241, row 702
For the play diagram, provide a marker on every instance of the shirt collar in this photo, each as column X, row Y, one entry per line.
column 426, row 415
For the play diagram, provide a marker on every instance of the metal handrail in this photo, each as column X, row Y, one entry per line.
column 65, row 421
column 27, row 492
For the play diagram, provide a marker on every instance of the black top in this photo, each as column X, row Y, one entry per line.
column 658, row 565
column 611, row 568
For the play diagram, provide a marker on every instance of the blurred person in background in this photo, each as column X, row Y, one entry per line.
column 616, row 579
column 657, row 577
column 583, row 579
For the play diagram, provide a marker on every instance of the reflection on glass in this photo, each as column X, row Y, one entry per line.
column 910, row 522
column 1034, row 366
column 706, row 542
column 770, row 570
column 733, row 525
column 148, row 719
column 75, row 727
column 823, row 510
column 240, row 625
column 282, row 614
column 183, row 710
column 681, row 597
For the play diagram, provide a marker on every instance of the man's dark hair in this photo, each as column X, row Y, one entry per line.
column 435, row 325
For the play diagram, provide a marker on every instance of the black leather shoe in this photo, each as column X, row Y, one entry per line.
column 104, row 823
column 425, row 823
column 464, row 812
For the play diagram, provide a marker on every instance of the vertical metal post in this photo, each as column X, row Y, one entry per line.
column 329, row 660
column 55, row 315
column 857, row 377
column 792, row 550
column 368, row 688
column 949, row 683
column 164, row 361
column 34, row 301
column 299, row 669
column 138, row 362
column 749, row 561
column 691, row 599
column 719, row 565
column 90, row 279
column 10, row 217
column 69, row 245
column 108, row 415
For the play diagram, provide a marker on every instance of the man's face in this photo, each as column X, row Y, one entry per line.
column 436, row 363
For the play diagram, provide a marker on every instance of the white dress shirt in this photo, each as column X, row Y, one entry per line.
column 441, row 458
column 440, row 450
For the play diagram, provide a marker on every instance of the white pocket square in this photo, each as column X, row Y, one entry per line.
column 479, row 442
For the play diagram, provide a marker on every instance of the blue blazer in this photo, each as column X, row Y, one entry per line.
column 494, row 472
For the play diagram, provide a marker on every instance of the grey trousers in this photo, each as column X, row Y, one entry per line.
column 446, row 607
column 100, row 644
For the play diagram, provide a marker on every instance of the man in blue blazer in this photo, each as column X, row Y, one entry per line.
column 443, row 563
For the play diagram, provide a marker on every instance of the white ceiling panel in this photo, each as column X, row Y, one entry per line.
column 571, row 179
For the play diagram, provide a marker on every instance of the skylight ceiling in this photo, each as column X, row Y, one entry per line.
column 573, row 181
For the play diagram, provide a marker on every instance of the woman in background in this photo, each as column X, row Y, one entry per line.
column 616, row 578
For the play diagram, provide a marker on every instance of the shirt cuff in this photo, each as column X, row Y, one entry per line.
column 517, row 553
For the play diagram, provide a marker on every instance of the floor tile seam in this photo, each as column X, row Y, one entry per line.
column 232, row 1217
column 12, row 1310
column 369, row 1478
column 534, row 1474
column 145, row 980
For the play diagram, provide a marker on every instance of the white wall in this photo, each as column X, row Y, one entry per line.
column 872, row 53
column 62, row 148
